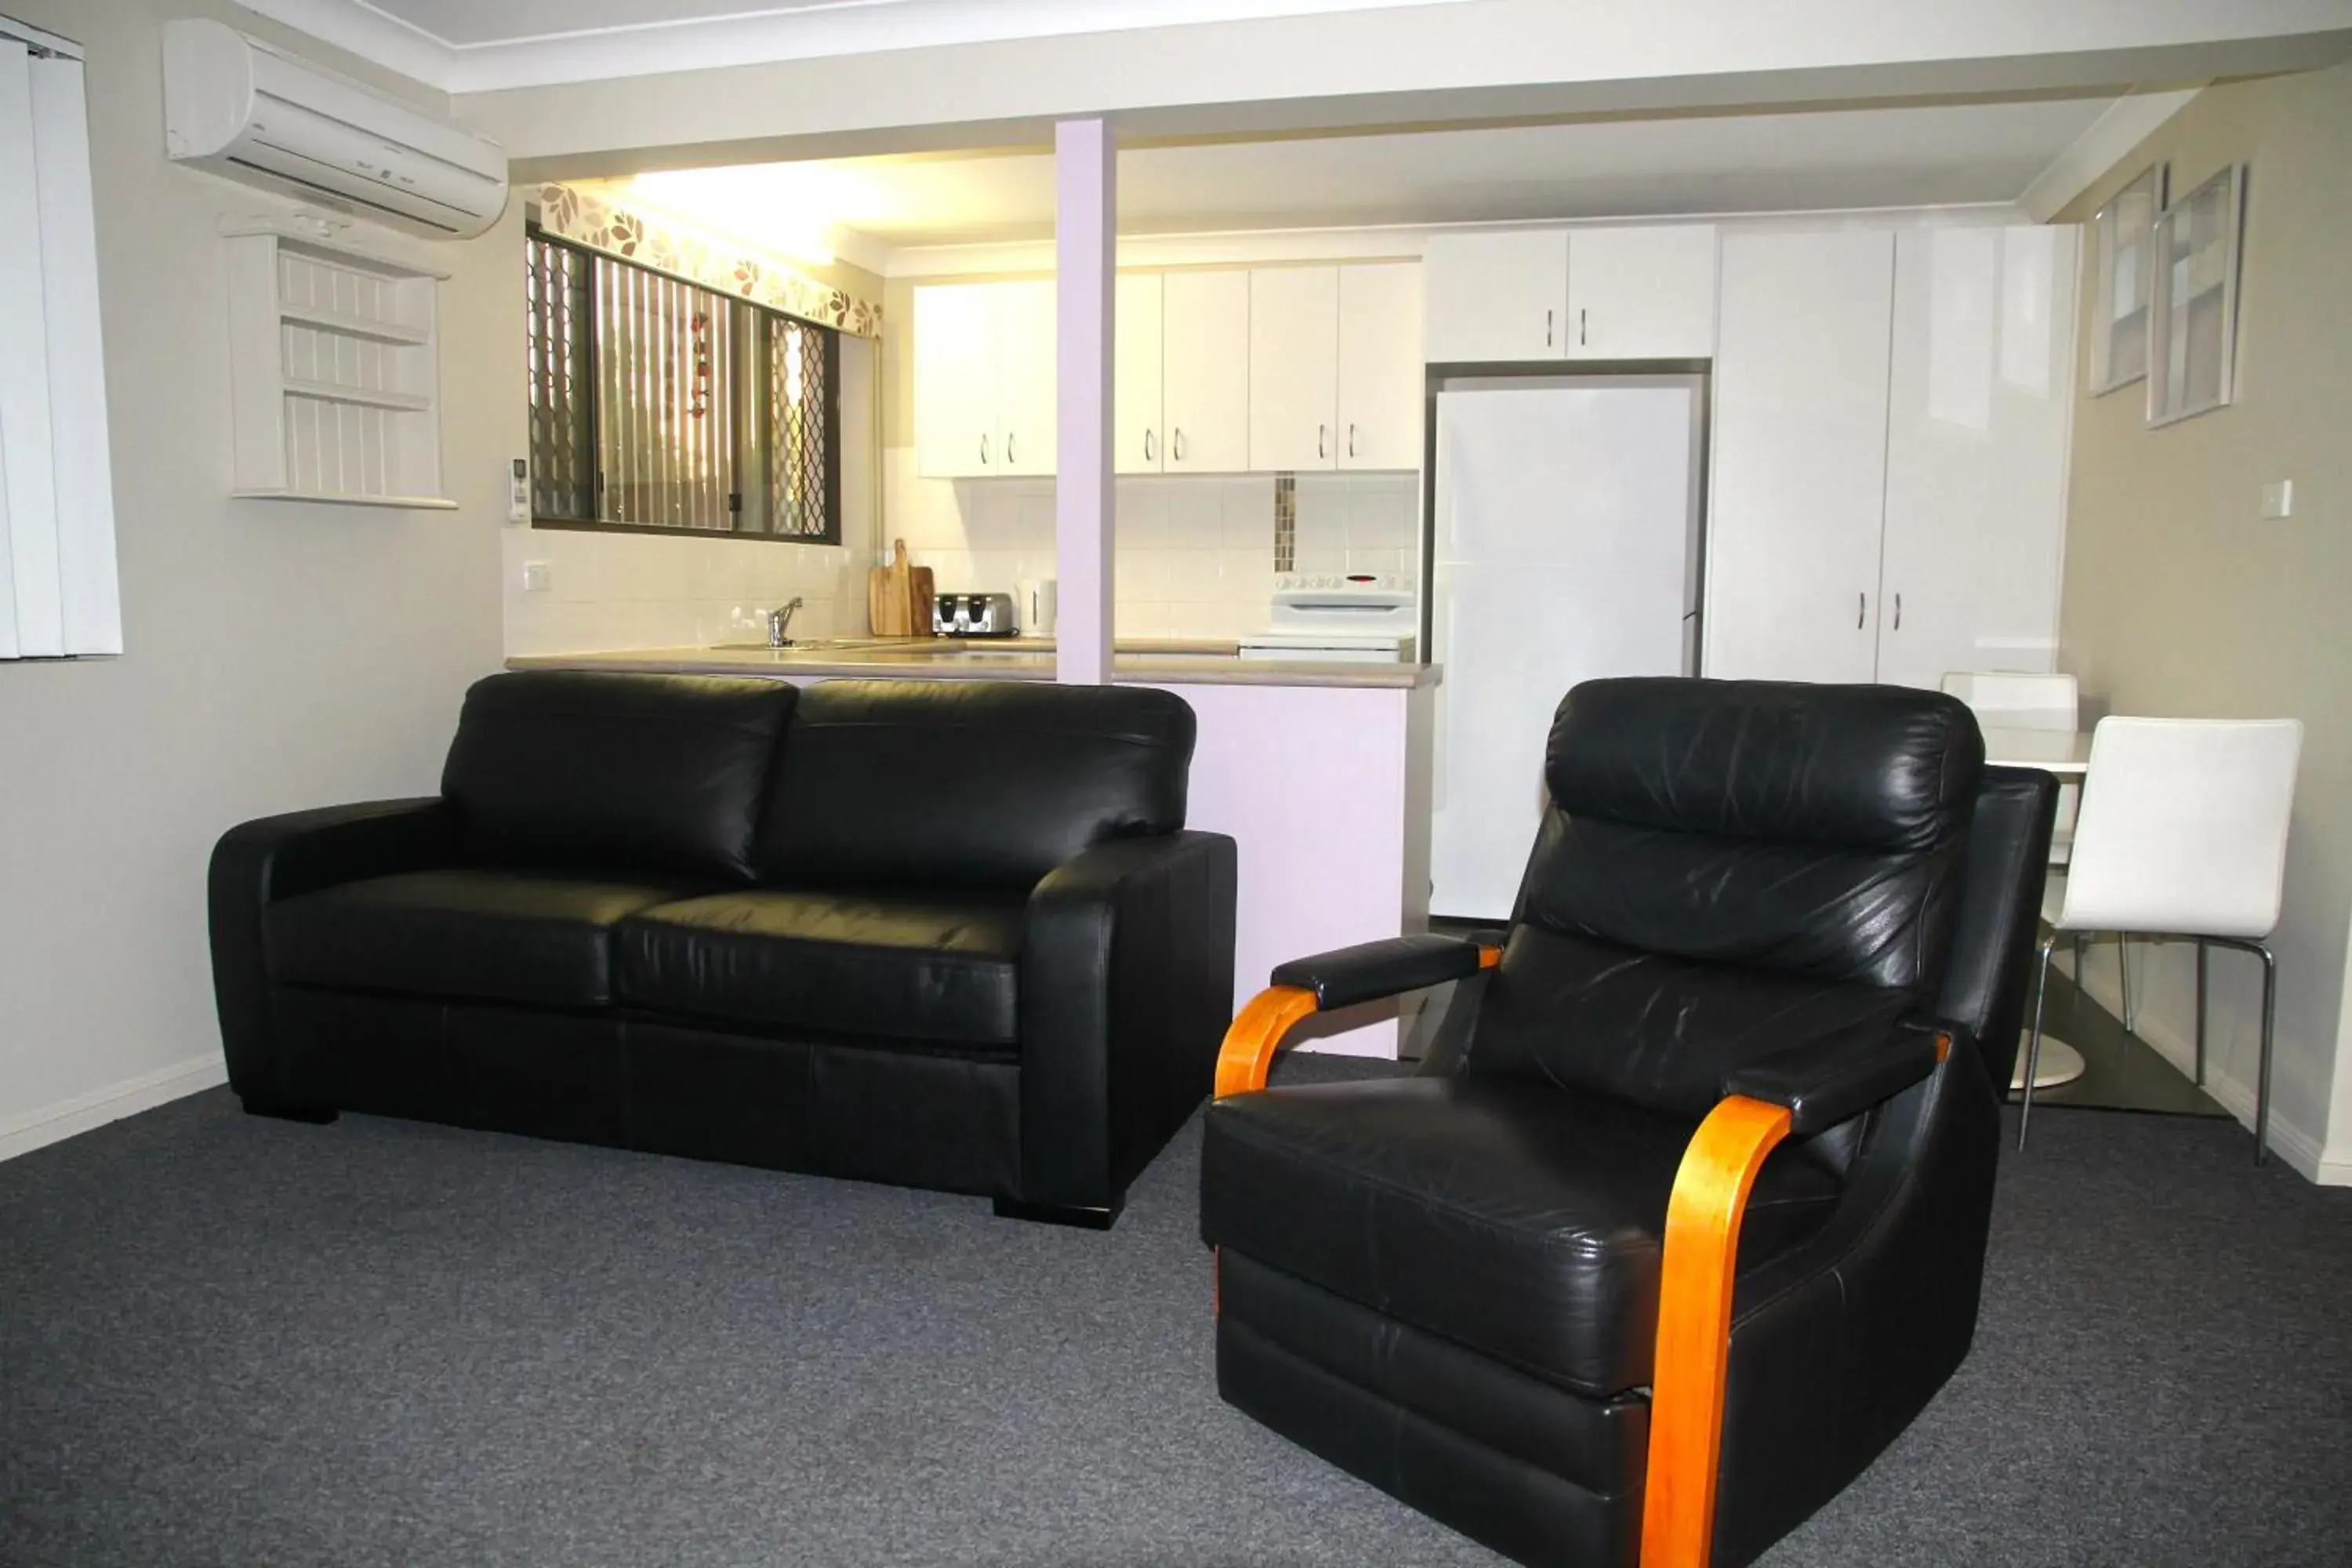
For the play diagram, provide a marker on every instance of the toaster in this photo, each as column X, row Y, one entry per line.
column 974, row 615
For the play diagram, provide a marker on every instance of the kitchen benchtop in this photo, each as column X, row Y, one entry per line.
column 1137, row 662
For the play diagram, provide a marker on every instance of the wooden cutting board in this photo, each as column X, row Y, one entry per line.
column 922, row 596
column 889, row 597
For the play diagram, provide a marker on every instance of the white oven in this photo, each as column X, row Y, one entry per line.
column 1365, row 616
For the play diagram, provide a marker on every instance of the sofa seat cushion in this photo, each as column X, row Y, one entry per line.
column 886, row 965
column 1505, row 1215
column 478, row 934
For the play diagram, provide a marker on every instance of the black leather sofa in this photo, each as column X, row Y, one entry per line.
column 948, row 934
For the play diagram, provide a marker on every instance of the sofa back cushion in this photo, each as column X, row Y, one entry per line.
column 655, row 772
column 976, row 783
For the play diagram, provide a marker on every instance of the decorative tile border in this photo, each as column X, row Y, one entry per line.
column 599, row 223
column 1285, row 522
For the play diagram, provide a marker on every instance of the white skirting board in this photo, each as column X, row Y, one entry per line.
column 52, row 1123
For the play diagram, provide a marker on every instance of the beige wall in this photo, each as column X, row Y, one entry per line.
column 2178, row 600
column 278, row 656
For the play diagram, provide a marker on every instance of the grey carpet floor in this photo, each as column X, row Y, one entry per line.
column 230, row 1341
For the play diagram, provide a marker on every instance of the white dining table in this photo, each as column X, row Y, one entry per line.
column 2067, row 753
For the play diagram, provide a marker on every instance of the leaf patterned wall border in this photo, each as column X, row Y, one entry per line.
column 600, row 225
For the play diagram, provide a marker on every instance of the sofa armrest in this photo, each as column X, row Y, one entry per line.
column 258, row 863
column 1340, row 978
column 1820, row 1086
column 1126, row 972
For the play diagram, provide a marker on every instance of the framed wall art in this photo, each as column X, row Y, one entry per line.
column 2123, row 272
column 2193, row 305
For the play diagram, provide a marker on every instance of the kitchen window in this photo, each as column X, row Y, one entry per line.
column 657, row 406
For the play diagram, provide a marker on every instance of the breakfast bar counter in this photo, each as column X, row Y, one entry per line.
column 1160, row 662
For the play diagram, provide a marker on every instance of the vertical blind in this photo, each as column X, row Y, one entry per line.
column 58, row 594
column 656, row 402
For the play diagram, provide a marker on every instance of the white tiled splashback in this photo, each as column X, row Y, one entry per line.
column 1196, row 555
column 1195, row 560
column 636, row 589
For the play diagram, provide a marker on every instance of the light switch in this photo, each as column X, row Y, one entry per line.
column 2278, row 499
column 537, row 576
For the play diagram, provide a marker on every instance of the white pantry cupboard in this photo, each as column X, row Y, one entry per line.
column 1891, row 426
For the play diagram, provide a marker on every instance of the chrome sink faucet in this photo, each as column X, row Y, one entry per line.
column 780, row 624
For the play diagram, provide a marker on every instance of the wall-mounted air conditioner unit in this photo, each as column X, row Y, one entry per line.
column 254, row 112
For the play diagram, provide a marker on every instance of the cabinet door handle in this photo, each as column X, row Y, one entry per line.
column 1547, row 329
column 1352, row 439
column 1009, row 458
column 1579, row 326
column 983, row 450
column 1322, row 440
column 1178, row 451
column 1861, row 609
column 1898, row 611
column 1147, row 447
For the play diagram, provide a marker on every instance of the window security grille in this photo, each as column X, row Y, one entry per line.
column 656, row 404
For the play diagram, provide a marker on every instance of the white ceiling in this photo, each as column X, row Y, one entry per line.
column 471, row 22
column 1814, row 160
column 484, row 45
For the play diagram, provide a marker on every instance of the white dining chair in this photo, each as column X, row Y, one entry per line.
column 2182, row 833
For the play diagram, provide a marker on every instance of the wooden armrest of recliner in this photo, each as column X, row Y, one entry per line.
column 1330, row 981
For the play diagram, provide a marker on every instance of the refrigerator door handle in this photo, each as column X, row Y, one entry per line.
column 1861, row 609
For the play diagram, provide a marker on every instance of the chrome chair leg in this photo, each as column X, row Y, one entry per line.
column 2033, row 1042
column 2262, row 1071
column 2200, row 1011
column 2123, row 981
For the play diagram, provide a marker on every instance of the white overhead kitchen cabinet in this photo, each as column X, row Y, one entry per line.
column 1334, row 368
column 1221, row 371
column 985, row 380
column 1205, row 371
column 1642, row 292
column 1138, row 437
column 1294, row 367
column 1891, row 422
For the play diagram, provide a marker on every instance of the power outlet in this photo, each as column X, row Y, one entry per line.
column 537, row 577
column 2278, row 499
column 519, row 490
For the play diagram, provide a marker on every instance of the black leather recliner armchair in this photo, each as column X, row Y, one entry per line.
column 951, row 934
column 1686, row 1219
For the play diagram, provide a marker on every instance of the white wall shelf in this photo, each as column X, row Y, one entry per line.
column 334, row 370
column 355, row 326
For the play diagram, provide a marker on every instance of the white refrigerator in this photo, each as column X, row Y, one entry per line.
column 1566, row 533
